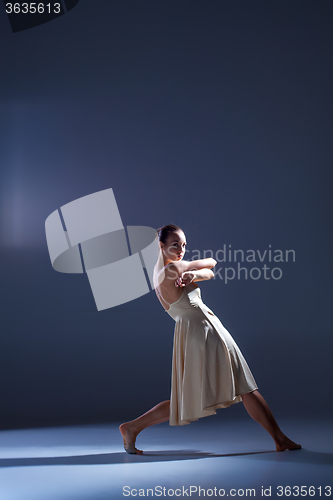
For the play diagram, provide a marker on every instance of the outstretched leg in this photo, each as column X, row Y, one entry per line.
column 130, row 430
column 259, row 410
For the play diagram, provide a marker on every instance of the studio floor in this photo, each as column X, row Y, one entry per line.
column 209, row 458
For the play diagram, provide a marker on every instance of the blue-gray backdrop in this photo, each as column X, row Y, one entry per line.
column 215, row 116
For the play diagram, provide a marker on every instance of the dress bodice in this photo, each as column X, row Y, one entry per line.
column 189, row 304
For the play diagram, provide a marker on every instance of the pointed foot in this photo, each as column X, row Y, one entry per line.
column 129, row 437
column 288, row 445
column 132, row 450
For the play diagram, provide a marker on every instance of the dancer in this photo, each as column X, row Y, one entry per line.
column 208, row 369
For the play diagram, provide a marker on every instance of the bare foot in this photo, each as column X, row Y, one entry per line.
column 129, row 437
column 287, row 444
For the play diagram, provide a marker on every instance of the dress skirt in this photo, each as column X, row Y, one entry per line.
column 208, row 369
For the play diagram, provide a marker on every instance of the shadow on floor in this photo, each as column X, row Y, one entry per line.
column 298, row 456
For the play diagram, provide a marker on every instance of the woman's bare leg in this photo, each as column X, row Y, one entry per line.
column 130, row 430
column 259, row 410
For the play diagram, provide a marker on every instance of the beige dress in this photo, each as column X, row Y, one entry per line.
column 208, row 369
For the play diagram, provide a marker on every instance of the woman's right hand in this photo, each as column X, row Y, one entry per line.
column 185, row 278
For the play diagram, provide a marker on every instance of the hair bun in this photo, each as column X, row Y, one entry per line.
column 164, row 231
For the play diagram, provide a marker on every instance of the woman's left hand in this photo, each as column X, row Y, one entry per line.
column 185, row 278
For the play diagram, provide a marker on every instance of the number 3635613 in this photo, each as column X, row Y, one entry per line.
column 32, row 8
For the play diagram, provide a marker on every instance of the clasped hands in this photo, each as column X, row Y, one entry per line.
column 185, row 279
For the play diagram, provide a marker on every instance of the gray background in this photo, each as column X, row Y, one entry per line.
column 215, row 116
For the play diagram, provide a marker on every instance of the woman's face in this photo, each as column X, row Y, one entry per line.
column 174, row 247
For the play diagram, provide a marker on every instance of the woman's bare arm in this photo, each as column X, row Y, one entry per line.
column 202, row 274
column 192, row 276
column 176, row 269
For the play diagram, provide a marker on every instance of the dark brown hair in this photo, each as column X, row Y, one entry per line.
column 164, row 231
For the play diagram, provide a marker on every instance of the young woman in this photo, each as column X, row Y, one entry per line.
column 208, row 369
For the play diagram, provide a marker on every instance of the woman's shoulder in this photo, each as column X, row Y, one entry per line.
column 179, row 266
